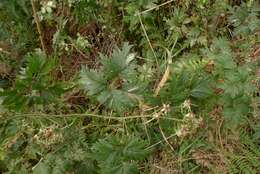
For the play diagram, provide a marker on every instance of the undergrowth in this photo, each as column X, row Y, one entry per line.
column 127, row 87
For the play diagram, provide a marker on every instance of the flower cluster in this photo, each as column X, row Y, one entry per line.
column 81, row 42
column 47, row 8
column 190, row 123
column 48, row 136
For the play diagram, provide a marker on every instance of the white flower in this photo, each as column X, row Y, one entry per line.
column 179, row 133
column 182, row 131
column 130, row 57
column 187, row 104
column 66, row 48
column 190, row 115
column 49, row 9
column 43, row 10
column 81, row 42
column 51, row 4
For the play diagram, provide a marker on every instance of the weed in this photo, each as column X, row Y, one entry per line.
column 128, row 87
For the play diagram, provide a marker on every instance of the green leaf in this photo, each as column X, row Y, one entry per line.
column 110, row 85
column 117, row 154
column 117, row 63
column 33, row 86
column 122, row 168
column 41, row 168
column 121, row 100
column 92, row 81
column 201, row 90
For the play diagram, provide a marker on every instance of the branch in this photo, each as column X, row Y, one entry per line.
column 36, row 19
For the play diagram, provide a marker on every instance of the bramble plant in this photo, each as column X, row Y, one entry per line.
column 129, row 87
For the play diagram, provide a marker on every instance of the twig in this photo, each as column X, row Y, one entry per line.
column 165, row 139
column 155, row 7
column 78, row 50
column 219, row 133
column 87, row 115
column 164, row 169
column 145, row 127
column 163, row 81
column 36, row 19
column 147, row 38
column 146, row 130
column 159, row 142
column 165, row 75
column 37, row 164
column 5, row 52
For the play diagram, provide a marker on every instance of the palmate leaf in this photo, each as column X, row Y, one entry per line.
column 134, row 6
column 119, row 154
column 201, row 89
column 189, row 81
column 71, row 155
column 234, row 80
column 112, row 83
column 33, row 86
column 118, row 62
column 244, row 18
column 123, row 168
column 42, row 168
column 121, row 100
column 92, row 81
